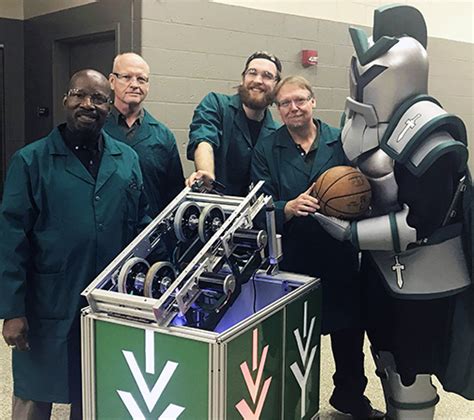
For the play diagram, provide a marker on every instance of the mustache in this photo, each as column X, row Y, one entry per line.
column 256, row 85
column 90, row 114
column 136, row 90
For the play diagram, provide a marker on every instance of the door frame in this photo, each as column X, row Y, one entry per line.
column 61, row 49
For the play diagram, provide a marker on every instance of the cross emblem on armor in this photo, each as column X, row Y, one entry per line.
column 410, row 124
column 398, row 268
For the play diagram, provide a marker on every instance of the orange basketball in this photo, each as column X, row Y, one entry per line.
column 343, row 192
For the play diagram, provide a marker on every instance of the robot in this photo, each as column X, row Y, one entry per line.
column 415, row 239
column 218, row 250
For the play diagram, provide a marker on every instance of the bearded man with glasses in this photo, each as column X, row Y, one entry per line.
column 72, row 201
column 289, row 161
column 225, row 128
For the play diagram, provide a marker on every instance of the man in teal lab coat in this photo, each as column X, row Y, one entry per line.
column 225, row 129
column 72, row 201
column 154, row 143
column 289, row 161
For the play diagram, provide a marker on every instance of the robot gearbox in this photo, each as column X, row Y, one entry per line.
column 217, row 250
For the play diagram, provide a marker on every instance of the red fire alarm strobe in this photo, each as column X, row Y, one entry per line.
column 309, row 58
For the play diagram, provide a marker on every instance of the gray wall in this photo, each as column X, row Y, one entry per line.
column 11, row 36
column 196, row 47
column 42, row 32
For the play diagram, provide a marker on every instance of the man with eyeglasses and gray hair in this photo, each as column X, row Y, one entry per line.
column 72, row 201
column 225, row 128
column 289, row 160
column 132, row 124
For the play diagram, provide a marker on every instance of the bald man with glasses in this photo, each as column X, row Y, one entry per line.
column 130, row 123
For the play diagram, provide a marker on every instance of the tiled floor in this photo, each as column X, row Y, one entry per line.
column 451, row 406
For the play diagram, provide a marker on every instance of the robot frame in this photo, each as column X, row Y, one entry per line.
column 219, row 250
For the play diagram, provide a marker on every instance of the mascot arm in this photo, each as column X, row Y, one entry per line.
column 389, row 232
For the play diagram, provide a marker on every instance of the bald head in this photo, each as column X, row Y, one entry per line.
column 130, row 59
column 93, row 76
column 130, row 82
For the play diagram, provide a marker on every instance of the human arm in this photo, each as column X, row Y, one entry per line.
column 17, row 216
column 205, row 134
column 204, row 164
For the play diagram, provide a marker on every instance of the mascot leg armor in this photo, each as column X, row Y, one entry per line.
column 412, row 402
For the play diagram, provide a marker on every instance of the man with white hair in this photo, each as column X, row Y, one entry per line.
column 130, row 123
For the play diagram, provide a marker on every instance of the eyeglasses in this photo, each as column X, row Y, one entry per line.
column 127, row 78
column 298, row 102
column 95, row 98
column 265, row 75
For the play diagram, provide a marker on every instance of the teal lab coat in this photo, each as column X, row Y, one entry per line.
column 159, row 160
column 307, row 248
column 59, row 228
column 220, row 121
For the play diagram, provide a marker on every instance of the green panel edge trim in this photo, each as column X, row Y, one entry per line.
column 361, row 45
column 413, row 406
column 394, row 230
column 342, row 121
column 440, row 150
column 354, row 235
column 449, row 122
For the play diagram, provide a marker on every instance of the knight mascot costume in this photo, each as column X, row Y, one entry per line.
column 416, row 240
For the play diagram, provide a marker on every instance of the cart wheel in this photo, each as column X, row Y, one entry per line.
column 186, row 221
column 211, row 219
column 160, row 276
column 131, row 276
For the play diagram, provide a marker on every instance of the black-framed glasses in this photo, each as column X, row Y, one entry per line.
column 79, row 95
column 297, row 101
column 127, row 78
column 265, row 75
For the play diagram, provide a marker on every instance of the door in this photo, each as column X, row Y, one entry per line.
column 95, row 51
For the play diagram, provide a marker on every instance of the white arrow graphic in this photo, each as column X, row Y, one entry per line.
column 302, row 378
column 150, row 396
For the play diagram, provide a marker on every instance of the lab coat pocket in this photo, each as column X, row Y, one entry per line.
column 50, row 296
column 133, row 205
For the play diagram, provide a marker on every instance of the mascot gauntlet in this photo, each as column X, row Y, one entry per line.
column 389, row 232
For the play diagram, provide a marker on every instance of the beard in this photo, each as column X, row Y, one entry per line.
column 256, row 103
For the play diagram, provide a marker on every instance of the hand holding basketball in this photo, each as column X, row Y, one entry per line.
column 302, row 205
column 343, row 192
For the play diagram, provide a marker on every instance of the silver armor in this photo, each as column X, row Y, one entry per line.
column 391, row 123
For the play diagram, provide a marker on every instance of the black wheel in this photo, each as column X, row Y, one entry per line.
column 210, row 221
column 132, row 275
column 186, row 220
column 159, row 277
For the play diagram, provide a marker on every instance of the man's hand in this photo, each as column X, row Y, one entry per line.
column 15, row 333
column 339, row 229
column 204, row 176
column 302, row 205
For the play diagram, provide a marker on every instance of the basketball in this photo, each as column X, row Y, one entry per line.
column 343, row 192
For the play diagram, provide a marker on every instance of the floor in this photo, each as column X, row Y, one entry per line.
column 451, row 406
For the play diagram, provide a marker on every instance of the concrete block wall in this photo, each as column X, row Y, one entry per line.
column 196, row 47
